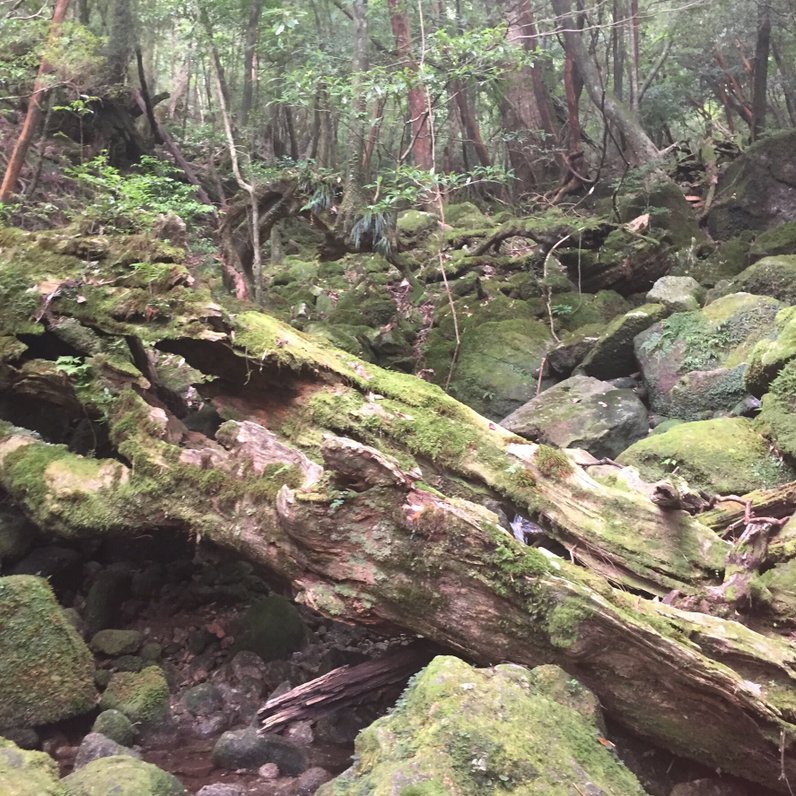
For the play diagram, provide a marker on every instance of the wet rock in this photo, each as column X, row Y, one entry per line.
column 247, row 749
column 312, row 779
column 23, row 737
column 46, row 670
column 612, row 355
column 677, row 293
column 122, row 776
column 694, row 363
column 710, row 787
column 272, row 628
column 96, row 745
column 725, row 456
column 116, row 642
column 24, row 773
column 115, row 725
column 582, row 412
column 142, row 696
column 16, row 534
column 56, row 563
column 220, row 790
column 104, row 598
column 446, row 728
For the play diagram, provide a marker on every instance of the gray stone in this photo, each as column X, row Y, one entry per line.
column 220, row 790
column 581, row 412
column 677, row 293
column 247, row 749
column 312, row 779
column 96, row 745
column 203, row 699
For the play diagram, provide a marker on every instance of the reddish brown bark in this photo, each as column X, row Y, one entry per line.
column 35, row 109
column 469, row 122
column 418, row 113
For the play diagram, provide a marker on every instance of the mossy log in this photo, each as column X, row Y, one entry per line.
column 368, row 491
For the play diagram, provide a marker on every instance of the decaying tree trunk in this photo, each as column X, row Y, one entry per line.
column 368, row 490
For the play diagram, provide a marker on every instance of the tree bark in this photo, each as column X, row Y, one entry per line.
column 760, row 70
column 249, row 47
column 35, row 111
column 641, row 149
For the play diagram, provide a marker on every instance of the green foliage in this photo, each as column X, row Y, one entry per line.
column 132, row 202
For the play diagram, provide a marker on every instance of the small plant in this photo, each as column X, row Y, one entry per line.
column 132, row 202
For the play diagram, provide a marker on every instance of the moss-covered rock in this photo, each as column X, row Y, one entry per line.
column 769, row 357
column 779, row 410
column 694, row 363
column 711, row 266
column 46, row 671
column 677, row 293
column 771, row 276
column 776, row 590
column 25, row 773
column 582, row 412
column 612, row 355
column 141, row 696
column 779, row 240
column 115, row 725
column 758, row 190
column 122, row 776
column 116, row 642
column 272, row 628
column 572, row 311
column 464, row 215
column 472, row 731
column 723, row 456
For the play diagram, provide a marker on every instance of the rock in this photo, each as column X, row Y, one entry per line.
column 493, row 730
column 16, row 534
column 247, row 749
column 778, row 410
column 122, row 776
column 725, row 456
column 582, row 412
column 46, row 670
column 24, row 737
column 572, row 350
column 465, row 215
column 612, row 355
column 779, row 240
column 677, row 293
column 24, row 773
column 694, row 363
column 203, row 699
column 771, row 276
column 769, row 357
column 414, row 224
column 312, row 779
column 220, row 790
column 96, row 745
column 142, row 696
column 572, row 311
column 711, row 787
column 209, row 726
column 116, row 642
column 129, row 663
column 115, row 725
column 268, row 771
column 671, row 212
column 775, row 591
column 758, row 189
column 110, row 588
column 272, row 628
column 57, row 563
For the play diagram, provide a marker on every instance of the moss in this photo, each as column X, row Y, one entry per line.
column 27, row 773
column 141, row 696
column 46, row 671
column 272, row 628
column 779, row 410
column 563, row 622
column 122, row 776
column 552, row 463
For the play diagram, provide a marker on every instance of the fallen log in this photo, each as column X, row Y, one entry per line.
column 368, row 491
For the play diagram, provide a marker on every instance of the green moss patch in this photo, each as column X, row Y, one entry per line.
column 142, row 696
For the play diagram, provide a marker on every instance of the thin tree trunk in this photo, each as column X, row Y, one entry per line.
column 635, row 55
column 641, row 148
column 788, row 76
column 249, row 47
column 469, row 122
column 35, row 112
column 618, row 46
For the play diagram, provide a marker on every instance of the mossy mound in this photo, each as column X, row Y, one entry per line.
column 464, row 215
column 779, row 410
column 725, row 456
column 725, row 261
column 573, row 310
column 46, row 671
column 668, row 209
column 121, row 775
column 771, row 276
column 694, row 363
column 24, row 773
column 472, row 731
column 272, row 628
column 776, row 590
column 141, row 696
column 769, row 357
column 780, row 240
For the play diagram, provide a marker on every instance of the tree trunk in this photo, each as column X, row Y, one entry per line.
column 323, row 478
column 249, row 47
column 641, row 149
column 760, row 71
column 419, row 123
column 35, row 109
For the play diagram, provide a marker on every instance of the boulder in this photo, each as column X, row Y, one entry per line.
column 677, row 293
column 25, row 773
column 142, row 696
column 458, row 729
column 116, row 642
column 771, row 276
column 115, row 725
column 758, row 189
column 272, row 628
column 122, row 776
column 96, row 745
column 248, row 749
column 769, row 357
column 778, row 411
column 694, row 363
column 46, row 670
column 779, row 240
column 612, row 355
column 582, row 412
column 725, row 456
